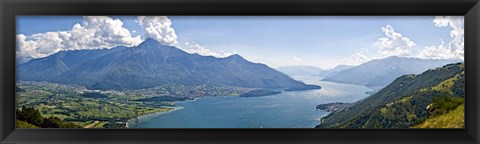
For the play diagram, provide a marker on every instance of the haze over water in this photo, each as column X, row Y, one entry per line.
column 286, row 110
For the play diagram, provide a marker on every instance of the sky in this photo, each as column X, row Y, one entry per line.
column 321, row 41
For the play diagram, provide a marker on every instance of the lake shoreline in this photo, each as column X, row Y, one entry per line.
column 256, row 112
column 175, row 108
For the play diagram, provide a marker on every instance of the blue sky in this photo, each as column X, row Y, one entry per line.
column 322, row 41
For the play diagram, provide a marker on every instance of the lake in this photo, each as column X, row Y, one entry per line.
column 286, row 110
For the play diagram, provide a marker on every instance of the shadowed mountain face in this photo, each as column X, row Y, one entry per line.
column 381, row 72
column 148, row 65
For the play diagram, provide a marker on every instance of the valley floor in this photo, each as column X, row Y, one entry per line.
column 105, row 109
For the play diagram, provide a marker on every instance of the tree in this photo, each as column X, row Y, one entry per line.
column 51, row 122
column 30, row 117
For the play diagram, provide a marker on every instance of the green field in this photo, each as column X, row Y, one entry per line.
column 108, row 109
column 69, row 103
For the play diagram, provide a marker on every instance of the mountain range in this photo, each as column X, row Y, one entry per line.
column 151, row 64
column 378, row 73
column 295, row 70
column 303, row 70
column 334, row 71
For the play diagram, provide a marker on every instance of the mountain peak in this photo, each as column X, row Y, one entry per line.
column 152, row 44
column 401, row 57
column 235, row 56
column 150, row 41
column 152, row 64
column 394, row 57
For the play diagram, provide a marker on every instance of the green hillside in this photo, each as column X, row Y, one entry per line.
column 453, row 119
column 404, row 102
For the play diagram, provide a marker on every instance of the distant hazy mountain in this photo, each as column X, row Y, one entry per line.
column 151, row 64
column 380, row 72
column 333, row 71
column 300, row 70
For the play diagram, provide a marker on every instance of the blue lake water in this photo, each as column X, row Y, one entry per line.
column 286, row 110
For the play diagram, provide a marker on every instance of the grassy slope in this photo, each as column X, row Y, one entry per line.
column 400, row 104
column 410, row 109
column 24, row 124
column 453, row 119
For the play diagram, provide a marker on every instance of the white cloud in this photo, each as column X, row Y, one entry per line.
column 201, row 50
column 159, row 28
column 455, row 48
column 25, row 47
column 436, row 52
column 93, row 33
column 297, row 60
column 394, row 44
column 357, row 58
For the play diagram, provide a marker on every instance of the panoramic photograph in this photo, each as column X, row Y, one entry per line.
column 240, row 72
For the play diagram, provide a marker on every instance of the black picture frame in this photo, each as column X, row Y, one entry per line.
column 10, row 8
